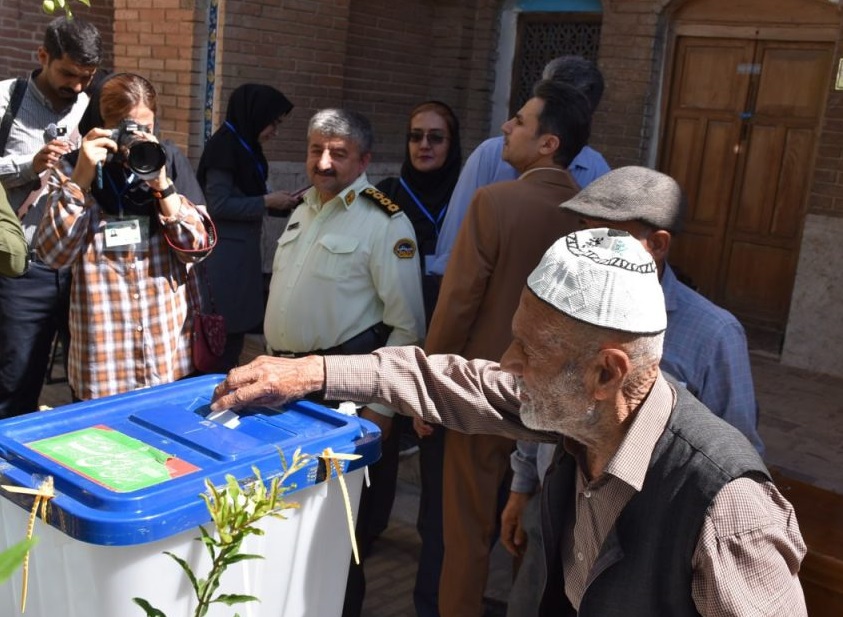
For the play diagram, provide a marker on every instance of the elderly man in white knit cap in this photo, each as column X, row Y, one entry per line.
column 704, row 349
column 652, row 506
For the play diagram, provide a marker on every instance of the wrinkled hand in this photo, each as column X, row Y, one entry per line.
column 422, row 428
column 512, row 534
column 48, row 156
column 384, row 423
column 268, row 381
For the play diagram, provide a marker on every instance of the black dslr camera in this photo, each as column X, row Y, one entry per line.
column 144, row 158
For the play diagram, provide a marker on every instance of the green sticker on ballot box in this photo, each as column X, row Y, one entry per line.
column 116, row 461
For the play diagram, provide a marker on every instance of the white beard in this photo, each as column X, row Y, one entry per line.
column 562, row 406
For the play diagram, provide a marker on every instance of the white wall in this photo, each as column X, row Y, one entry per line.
column 814, row 338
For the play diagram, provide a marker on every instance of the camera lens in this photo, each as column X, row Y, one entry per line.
column 146, row 158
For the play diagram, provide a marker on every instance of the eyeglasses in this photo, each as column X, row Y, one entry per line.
column 434, row 138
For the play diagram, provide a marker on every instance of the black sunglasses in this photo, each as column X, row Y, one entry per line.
column 434, row 138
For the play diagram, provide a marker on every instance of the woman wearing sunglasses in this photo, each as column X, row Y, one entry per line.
column 428, row 176
column 430, row 171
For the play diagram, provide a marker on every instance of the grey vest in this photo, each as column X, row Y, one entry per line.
column 644, row 565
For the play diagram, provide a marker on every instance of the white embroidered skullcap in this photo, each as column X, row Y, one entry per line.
column 603, row 277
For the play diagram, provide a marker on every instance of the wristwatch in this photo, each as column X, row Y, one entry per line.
column 165, row 193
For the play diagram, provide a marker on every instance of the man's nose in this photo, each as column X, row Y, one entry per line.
column 510, row 362
column 325, row 159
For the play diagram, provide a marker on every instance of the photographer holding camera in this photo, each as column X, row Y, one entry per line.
column 121, row 212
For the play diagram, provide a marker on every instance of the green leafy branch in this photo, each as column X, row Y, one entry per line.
column 50, row 6
column 235, row 510
column 13, row 557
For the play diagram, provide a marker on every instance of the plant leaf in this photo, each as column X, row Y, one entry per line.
column 230, row 599
column 13, row 557
column 186, row 567
column 241, row 557
column 151, row 611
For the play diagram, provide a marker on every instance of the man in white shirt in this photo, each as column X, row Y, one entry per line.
column 346, row 276
column 40, row 118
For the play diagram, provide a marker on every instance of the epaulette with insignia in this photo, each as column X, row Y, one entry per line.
column 383, row 202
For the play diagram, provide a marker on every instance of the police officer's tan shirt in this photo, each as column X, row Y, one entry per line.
column 340, row 268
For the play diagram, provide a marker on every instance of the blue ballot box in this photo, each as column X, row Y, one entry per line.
column 128, row 471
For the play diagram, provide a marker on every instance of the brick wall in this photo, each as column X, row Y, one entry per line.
column 621, row 125
column 466, row 52
column 296, row 46
column 164, row 40
column 22, row 25
column 376, row 56
column 826, row 196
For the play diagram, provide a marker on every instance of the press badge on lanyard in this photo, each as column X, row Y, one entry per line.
column 126, row 233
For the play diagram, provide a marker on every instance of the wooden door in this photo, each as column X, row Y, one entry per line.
column 742, row 122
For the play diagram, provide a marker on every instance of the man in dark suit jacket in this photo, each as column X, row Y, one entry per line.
column 508, row 227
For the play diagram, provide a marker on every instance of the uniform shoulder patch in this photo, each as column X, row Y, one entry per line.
column 389, row 207
column 405, row 248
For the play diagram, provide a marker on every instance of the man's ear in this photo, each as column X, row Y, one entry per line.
column 607, row 373
column 659, row 244
column 549, row 144
column 43, row 56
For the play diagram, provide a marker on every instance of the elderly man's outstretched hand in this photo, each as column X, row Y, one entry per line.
column 269, row 381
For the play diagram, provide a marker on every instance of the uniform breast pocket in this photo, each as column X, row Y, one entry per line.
column 285, row 245
column 288, row 238
column 337, row 256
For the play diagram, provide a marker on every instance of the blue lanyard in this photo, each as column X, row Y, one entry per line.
column 118, row 194
column 248, row 149
column 436, row 221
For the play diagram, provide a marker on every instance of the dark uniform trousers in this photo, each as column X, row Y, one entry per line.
column 380, row 474
column 33, row 308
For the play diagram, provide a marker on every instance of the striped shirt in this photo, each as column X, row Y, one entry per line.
column 129, row 320
column 749, row 550
column 26, row 138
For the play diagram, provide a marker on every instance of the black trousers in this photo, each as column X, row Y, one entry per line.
column 374, row 500
column 381, row 473
column 429, row 524
column 33, row 308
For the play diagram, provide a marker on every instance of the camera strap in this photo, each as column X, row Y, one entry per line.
column 16, row 94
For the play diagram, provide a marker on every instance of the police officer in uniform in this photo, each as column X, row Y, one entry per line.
column 345, row 277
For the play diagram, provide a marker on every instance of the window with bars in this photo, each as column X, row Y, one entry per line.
column 544, row 36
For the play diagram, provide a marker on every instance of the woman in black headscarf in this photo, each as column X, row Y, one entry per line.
column 430, row 171
column 233, row 173
column 428, row 176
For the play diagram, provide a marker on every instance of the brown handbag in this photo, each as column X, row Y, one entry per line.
column 208, row 335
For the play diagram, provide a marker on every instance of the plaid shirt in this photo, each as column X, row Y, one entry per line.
column 129, row 322
column 749, row 549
